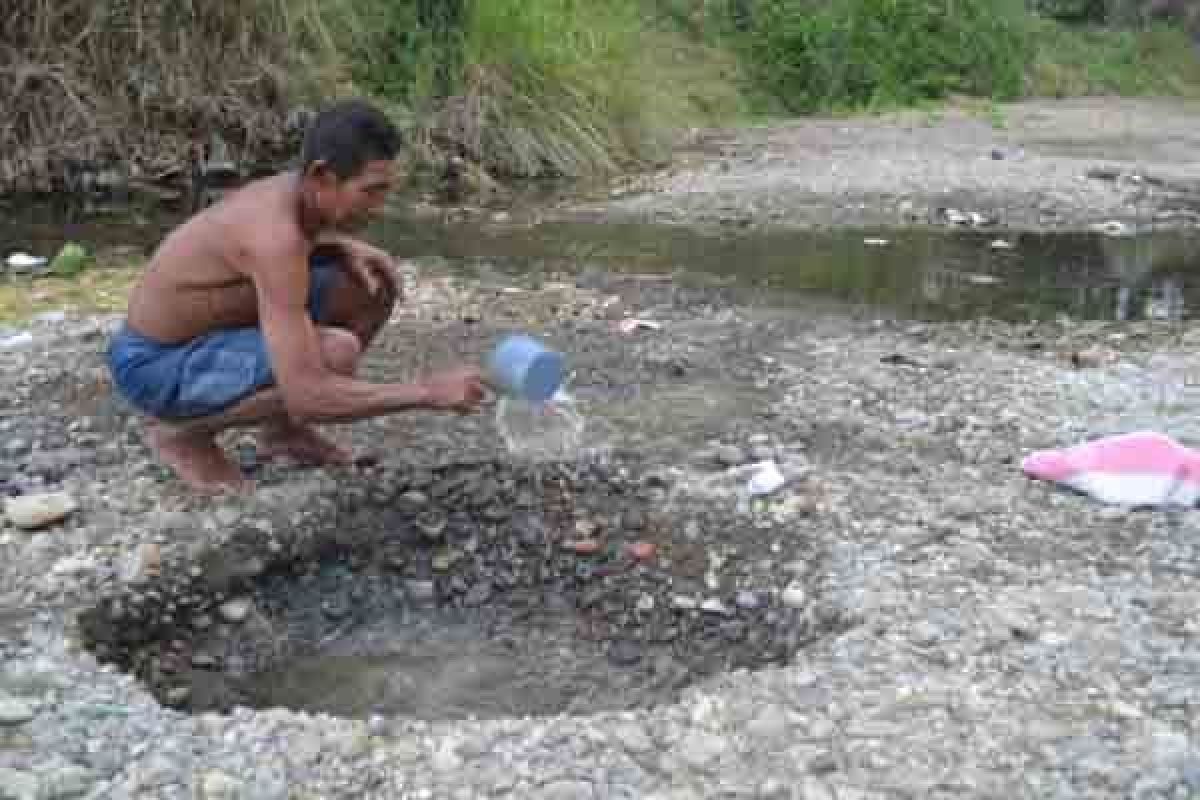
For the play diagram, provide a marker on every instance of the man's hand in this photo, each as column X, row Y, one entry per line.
column 457, row 390
column 372, row 267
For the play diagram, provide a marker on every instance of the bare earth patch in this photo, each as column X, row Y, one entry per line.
column 1034, row 165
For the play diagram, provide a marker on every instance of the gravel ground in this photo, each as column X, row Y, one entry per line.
column 1037, row 165
column 997, row 638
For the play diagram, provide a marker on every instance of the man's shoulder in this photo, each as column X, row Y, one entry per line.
column 258, row 224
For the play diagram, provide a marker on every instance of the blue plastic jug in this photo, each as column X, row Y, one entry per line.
column 523, row 367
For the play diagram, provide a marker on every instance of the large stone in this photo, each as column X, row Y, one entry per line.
column 633, row 738
column 13, row 712
column 219, row 786
column 16, row 784
column 35, row 511
column 567, row 790
column 235, row 611
column 701, row 750
column 67, row 782
column 730, row 456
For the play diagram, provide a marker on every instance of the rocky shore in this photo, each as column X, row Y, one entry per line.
column 952, row 629
column 1036, row 165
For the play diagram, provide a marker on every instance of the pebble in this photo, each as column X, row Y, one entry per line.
column 13, row 711
column 415, row 499
column 702, row 751
column 220, row 786
column 567, row 790
column 19, row 785
column 584, row 547
column 713, row 605
column 624, row 653
column 794, row 596
column 730, row 456
column 926, row 634
column 432, row 524
column 478, row 594
column 641, row 551
column 235, row 611
column 420, row 589
column 747, row 600
column 35, row 511
column 761, row 453
column 66, row 782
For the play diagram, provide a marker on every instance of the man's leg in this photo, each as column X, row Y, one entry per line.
column 347, row 310
column 190, row 447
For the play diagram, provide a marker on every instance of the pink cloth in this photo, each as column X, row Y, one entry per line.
column 1132, row 469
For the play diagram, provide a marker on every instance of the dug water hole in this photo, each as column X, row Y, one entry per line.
column 485, row 590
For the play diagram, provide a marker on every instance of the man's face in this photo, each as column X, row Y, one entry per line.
column 349, row 204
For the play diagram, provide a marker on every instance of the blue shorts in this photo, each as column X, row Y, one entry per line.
column 205, row 375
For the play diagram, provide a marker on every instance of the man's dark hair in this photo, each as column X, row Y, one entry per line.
column 348, row 134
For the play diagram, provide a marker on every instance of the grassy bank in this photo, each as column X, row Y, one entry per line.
column 527, row 88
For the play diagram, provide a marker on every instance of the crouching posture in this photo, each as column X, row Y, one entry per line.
column 255, row 312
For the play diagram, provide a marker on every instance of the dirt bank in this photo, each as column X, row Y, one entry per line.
column 1035, row 166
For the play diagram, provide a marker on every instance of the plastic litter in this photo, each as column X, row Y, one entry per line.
column 1135, row 470
column 875, row 242
column 1001, row 244
column 1114, row 228
column 24, row 261
column 633, row 324
column 767, row 479
column 16, row 341
column 71, row 260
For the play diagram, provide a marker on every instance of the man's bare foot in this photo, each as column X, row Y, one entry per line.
column 302, row 444
column 196, row 459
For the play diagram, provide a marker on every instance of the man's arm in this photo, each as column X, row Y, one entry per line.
column 311, row 391
column 365, row 262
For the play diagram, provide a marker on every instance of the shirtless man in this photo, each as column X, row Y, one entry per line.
column 256, row 311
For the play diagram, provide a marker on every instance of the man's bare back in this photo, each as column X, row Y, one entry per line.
column 256, row 311
column 201, row 277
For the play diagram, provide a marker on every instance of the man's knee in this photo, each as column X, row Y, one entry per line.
column 384, row 301
column 341, row 349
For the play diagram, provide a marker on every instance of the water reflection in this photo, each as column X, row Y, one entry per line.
column 928, row 274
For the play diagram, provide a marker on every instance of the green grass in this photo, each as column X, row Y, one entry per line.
column 568, row 87
column 871, row 54
column 1073, row 61
column 537, row 88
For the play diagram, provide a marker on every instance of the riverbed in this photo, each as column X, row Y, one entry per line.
column 908, row 616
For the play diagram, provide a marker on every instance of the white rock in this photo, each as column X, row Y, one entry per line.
column 33, row 511
column 75, row 565
column 13, row 712
column 235, row 611
column 19, row 784
column 25, row 261
column 714, row 606
column 794, row 596
column 767, row 479
column 16, row 341
column 219, row 786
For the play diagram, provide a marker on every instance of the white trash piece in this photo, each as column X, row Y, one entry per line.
column 766, row 479
column 634, row 324
column 1001, row 244
column 24, row 261
column 16, row 341
column 875, row 242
